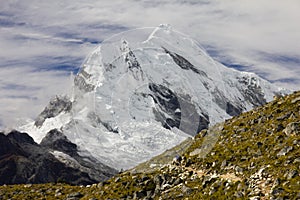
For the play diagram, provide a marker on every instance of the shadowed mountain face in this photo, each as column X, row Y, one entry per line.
column 24, row 161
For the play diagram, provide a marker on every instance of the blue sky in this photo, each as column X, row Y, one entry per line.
column 43, row 41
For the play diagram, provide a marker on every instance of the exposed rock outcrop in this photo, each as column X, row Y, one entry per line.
column 24, row 161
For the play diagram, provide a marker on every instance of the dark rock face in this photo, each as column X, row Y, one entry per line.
column 81, row 84
column 56, row 106
column 20, row 138
column 167, row 102
column 24, row 161
column 253, row 93
column 233, row 110
column 292, row 128
column 133, row 65
column 181, row 113
column 8, row 148
column 184, row 63
column 131, row 60
column 58, row 141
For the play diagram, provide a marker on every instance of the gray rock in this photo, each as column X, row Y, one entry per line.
column 285, row 151
column 157, row 189
column 279, row 128
column 27, row 185
column 238, row 194
column 277, row 182
column 297, row 160
column 224, row 164
column 292, row 174
column 258, row 153
column 166, row 178
column 149, row 193
column 58, row 194
column 295, row 100
column 149, row 184
column 207, row 180
column 145, row 178
column 292, row 128
column 100, row 185
column 158, row 180
column 57, row 105
column 57, row 190
column 283, row 117
column 81, row 84
column 177, row 181
column 186, row 190
column 244, row 158
column 139, row 194
column 74, row 196
column 165, row 186
column 277, row 191
column 240, row 187
column 238, row 170
column 212, row 191
column 254, row 198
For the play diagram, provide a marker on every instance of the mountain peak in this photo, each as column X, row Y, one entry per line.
column 166, row 27
column 124, row 46
column 135, row 98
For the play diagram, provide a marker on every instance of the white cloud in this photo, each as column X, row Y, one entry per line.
column 24, row 93
column 35, row 34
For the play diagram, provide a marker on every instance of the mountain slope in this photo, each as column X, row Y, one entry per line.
column 144, row 91
column 255, row 155
column 55, row 159
column 251, row 156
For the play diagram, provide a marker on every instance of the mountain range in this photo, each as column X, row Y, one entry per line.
column 138, row 94
column 254, row 155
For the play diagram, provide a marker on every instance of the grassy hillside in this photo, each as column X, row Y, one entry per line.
column 252, row 156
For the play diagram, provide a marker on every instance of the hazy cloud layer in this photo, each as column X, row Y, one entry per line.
column 42, row 41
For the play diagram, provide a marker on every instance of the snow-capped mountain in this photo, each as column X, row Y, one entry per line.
column 143, row 91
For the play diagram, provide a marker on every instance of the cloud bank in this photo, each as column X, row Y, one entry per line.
column 42, row 42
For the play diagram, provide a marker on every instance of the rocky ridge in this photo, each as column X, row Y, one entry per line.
column 24, row 161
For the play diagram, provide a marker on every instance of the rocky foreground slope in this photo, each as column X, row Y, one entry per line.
column 252, row 156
